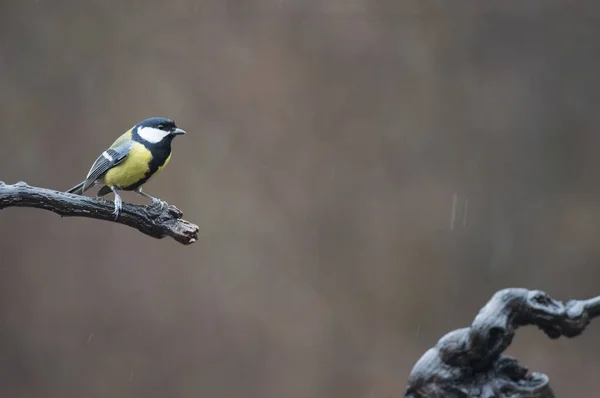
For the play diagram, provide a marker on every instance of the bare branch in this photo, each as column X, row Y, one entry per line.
column 469, row 362
column 150, row 220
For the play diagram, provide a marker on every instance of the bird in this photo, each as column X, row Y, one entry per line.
column 135, row 157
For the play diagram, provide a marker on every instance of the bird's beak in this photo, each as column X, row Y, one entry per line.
column 178, row 132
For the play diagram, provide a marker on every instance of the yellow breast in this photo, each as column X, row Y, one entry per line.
column 132, row 169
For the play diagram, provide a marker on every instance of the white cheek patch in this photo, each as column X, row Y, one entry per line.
column 152, row 135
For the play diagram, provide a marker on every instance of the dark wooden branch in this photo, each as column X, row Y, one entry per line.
column 150, row 220
column 468, row 362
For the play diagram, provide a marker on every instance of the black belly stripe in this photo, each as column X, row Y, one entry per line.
column 160, row 154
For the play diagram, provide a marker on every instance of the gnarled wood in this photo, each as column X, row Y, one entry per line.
column 150, row 220
column 468, row 362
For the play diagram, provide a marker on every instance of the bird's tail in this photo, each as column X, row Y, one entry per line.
column 77, row 189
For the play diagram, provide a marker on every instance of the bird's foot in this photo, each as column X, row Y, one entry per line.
column 118, row 206
column 159, row 203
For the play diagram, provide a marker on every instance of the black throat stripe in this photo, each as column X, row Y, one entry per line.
column 160, row 153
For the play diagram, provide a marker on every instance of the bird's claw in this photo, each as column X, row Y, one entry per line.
column 118, row 207
column 159, row 203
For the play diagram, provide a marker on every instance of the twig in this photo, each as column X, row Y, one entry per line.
column 150, row 220
column 468, row 362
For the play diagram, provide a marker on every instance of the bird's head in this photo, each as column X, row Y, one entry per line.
column 157, row 129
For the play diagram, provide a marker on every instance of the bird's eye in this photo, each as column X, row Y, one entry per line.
column 161, row 126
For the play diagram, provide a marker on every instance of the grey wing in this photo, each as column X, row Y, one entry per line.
column 107, row 160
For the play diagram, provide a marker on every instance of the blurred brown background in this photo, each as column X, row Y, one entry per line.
column 365, row 175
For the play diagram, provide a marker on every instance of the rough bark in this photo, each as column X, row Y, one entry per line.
column 150, row 220
column 469, row 362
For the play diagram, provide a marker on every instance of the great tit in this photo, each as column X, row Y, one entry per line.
column 132, row 160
